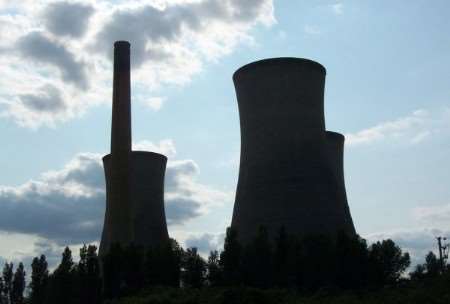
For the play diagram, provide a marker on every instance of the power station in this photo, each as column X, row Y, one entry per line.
column 134, row 179
column 291, row 168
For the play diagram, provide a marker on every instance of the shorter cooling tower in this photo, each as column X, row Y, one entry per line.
column 148, row 220
column 287, row 175
column 335, row 143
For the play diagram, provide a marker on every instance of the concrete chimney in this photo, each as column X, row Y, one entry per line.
column 134, row 179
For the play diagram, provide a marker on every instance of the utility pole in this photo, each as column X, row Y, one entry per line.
column 443, row 252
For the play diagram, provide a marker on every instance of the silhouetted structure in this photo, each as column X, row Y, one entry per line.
column 134, row 179
column 291, row 170
column 335, row 143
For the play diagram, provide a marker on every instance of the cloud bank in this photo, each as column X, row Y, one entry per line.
column 67, row 206
column 205, row 243
column 437, row 214
column 66, row 47
column 413, row 129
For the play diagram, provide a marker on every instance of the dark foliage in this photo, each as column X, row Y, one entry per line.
column 430, row 269
column 88, row 275
column 7, row 282
column 386, row 263
column 309, row 264
column 162, row 265
column 113, row 272
column 284, row 260
column 12, row 284
column 230, row 258
column 352, row 262
column 257, row 261
column 284, row 269
column 61, row 286
column 194, row 269
column 127, row 270
column 18, row 285
column 39, row 280
column 214, row 275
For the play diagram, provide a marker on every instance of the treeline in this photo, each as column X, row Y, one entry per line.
column 12, row 284
column 69, row 283
column 307, row 264
column 303, row 265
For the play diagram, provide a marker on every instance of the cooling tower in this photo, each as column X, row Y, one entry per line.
column 335, row 143
column 134, row 179
column 285, row 176
column 147, row 170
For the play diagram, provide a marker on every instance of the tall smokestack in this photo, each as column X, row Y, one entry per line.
column 121, row 108
column 118, row 227
column 134, row 179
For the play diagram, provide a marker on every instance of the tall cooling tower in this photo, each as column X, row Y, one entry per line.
column 134, row 179
column 286, row 177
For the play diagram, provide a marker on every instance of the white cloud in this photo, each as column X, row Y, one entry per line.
column 433, row 215
column 311, row 29
column 16, row 246
column 421, row 136
column 66, row 206
column 414, row 129
column 338, row 8
column 165, row 146
column 206, row 242
column 67, row 18
column 170, row 42
column 154, row 103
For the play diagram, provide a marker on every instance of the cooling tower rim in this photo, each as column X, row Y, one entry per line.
column 146, row 153
column 280, row 61
column 336, row 135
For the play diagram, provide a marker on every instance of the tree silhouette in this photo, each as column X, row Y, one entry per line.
column 39, row 280
column 387, row 262
column 257, row 261
column 152, row 269
column 230, row 258
column 62, row 281
column 113, row 281
column 284, row 260
column 172, row 255
column 2, row 287
column 214, row 271
column 316, row 262
column 430, row 269
column 351, row 262
column 133, row 272
column 88, row 271
column 7, row 274
column 194, row 269
column 419, row 273
column 432, row 264
column 18, row 285
column 162, row 264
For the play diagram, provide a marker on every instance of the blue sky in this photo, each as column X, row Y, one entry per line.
column 387, row 90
